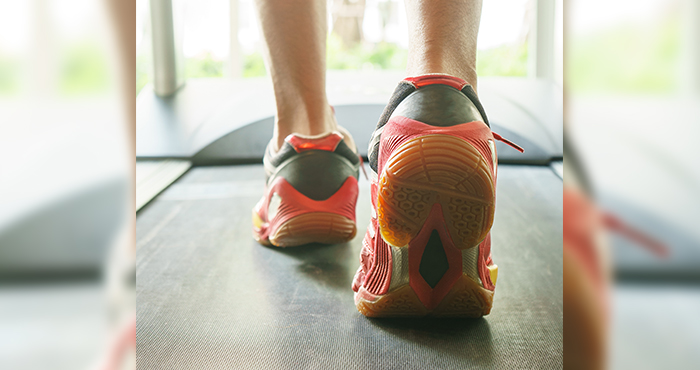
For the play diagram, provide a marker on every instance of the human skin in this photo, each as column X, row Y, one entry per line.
column 442, row 39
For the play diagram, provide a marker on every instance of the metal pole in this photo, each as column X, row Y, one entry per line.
column 691, row 48
column 558, row 47
column 235, row 55
column 541, row 48
column 164, row 64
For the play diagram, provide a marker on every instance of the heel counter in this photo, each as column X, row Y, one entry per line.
column 439, row 105
column 317, row 174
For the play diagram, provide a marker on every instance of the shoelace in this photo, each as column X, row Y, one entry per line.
column 508, row 142
column 613, row 223
column 362, row 165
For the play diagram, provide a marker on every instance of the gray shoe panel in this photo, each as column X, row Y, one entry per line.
column 438, row 105
column 317, row 174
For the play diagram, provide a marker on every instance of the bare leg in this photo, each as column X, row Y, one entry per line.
column 442, row 37
column 124, row 23
column 121, row 349
column 295, row 31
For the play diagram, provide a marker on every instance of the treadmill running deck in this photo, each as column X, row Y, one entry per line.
column 210, row 297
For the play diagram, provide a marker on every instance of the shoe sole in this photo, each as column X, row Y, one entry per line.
column 465, row 299
column 300, row 220
column 424, row 171
column 316, row 227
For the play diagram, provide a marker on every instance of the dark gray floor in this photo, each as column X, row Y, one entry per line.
column 209, row 297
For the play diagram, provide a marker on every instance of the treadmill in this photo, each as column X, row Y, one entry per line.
column 209, row 296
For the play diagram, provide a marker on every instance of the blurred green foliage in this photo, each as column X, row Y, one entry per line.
column 204, row 66
column 143, row 66
column 9, row 75
column 382, row 55
column 83, row 69
column 254, row 65
column 197, row 67
column 504, row 60
column 630, row 58
column 208, row 66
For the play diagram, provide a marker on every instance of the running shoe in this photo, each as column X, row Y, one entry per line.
column 311, row 191
column 587, row 266
column 427, row 250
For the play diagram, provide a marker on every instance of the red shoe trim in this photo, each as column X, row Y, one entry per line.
column 378, row 277
column 583, row 220
column 293, row 203
column 125, row 341
column 582, row 224
column 508, row 142
column 327, row 143
column 401, row 129
column 615, row 224
column 362, row 166
column 424, row 80
column 431, row 297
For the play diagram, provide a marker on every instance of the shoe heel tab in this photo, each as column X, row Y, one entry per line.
column 328, row 142
column 455, row 82
column 439, row 105
column 437, row 78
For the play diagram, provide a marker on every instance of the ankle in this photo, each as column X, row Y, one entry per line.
column 459, row 70
column 304, row 124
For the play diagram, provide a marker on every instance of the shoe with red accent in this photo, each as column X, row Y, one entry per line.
column 587, row 267
column 427, row 250
column 311, row 191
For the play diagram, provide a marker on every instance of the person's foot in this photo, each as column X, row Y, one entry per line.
column 311, row 191
column 587, row 266
column 427, row 250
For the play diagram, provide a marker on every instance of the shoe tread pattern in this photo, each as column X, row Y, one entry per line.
column 430, row 169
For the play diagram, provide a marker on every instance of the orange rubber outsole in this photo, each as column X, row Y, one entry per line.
column 423, row 171
column 436, row 169
column 465, row 299
column 316, row 227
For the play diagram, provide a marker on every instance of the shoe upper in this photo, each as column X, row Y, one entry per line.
column 308, row 174
column 432, row 99
column 316, row 166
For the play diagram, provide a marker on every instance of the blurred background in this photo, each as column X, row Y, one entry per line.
column 632, row 72
column 68, row 96
column 364, row 35
column 205, row 108
column 66, row 178
column 204, row 96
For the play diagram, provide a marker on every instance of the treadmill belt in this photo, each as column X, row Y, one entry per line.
column 210, row 297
